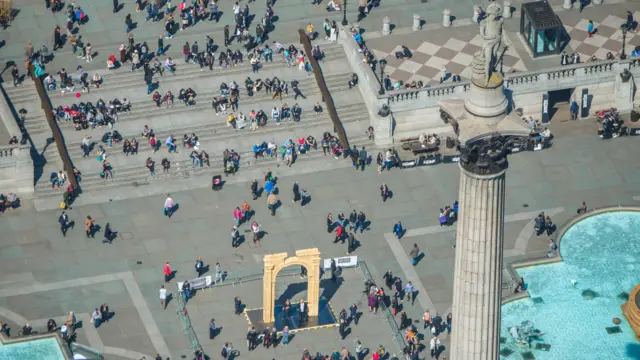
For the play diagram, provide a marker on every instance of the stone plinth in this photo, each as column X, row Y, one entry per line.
column 624, row 91
column 478, row 267
column 416, row 22
column 486, row 101
column 386, row 26
column 506, row 13
column 446, row 17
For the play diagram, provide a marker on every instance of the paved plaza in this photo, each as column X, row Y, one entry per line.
column 46, row 275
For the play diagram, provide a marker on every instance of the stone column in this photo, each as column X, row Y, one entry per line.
column 416, row 22
column 568, row 4
column 474, row 17
column 477, row 283
column 446, row 18
column 506, row 11
column 386, row 26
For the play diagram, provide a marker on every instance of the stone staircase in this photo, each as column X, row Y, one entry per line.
column 214, row 134
column 123, row 78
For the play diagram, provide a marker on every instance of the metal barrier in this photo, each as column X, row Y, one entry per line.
column 326, row 95
column 396, row 334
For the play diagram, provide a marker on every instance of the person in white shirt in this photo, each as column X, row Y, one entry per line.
column 163, row 297
column 434, row 346
column 241, row 121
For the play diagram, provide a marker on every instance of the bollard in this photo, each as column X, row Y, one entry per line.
column 568, row 4
column 446, row 18
column 506, row 12
column 386, row 26
column 416, row 22
column 476, row 9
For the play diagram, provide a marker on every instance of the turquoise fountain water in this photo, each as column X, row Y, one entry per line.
column 41, row 349
column 602, row 255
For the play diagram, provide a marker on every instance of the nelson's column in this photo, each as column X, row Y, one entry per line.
column 488, row 135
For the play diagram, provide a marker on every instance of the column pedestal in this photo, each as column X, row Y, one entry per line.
column 477, row 283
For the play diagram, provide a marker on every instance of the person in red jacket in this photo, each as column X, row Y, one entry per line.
column 339, row 234
column 167, row 272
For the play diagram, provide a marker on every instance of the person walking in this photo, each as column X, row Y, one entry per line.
column 384, row 192
column 163, row 297
column 591, row 28
column 334, row 269
column 95, row 318
column 89, row 227
column 199, row 266
column 219, row 273
column 296, row 192
column 296, row 90
column 398, row 230
column 414, row 254
column 212, row 329
column 351, row 243
column 362, row 158
column 167, row 272
column 168, row 206
column 362, row 221
column 64, row 223
column 410, row 292
column 353, row 314
column 237, row 216
column 272, row 202
column 15, row 74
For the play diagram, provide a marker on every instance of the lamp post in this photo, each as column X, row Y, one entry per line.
column 624, row 29
column 344, row 14
column 382, row 63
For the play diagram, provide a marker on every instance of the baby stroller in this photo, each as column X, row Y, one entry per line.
column 216, row 182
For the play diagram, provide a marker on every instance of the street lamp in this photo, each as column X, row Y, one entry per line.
column 624, row 29
column 382, row 63
column 344, row 14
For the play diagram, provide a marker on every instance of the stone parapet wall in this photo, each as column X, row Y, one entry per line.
column 16, row 170
column 600, row 76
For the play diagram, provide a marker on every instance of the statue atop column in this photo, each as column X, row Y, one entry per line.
column 486, row 61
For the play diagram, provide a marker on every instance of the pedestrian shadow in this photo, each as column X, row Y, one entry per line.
column 168, row 300
column 120, row 7
column 205, row 269
column 174, row 209
column 367, row 224
column 2, row 43
column 419, row 258
column 173, row 274
column 79, row 324
column 240, row 241
column 305, row 200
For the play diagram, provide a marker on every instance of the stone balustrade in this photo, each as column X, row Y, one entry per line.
column 563, row 77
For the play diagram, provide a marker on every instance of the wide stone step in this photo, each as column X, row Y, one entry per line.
column 203, row 100
column 217, row 143
column 220, row 131
column 139, row 175
column 125, row 78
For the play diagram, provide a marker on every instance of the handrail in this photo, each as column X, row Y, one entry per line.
column 55, row 129
column 326, row 95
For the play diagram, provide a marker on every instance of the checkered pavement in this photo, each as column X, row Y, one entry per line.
column 456, row 53
column 608, row 37
column 455, row 49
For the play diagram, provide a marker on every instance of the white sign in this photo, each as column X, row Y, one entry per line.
column 341, row 262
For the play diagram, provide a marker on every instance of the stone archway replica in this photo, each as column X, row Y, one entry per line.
column 310, row 259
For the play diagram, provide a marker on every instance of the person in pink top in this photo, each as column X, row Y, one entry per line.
column 168, row 206
column 237, row 216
